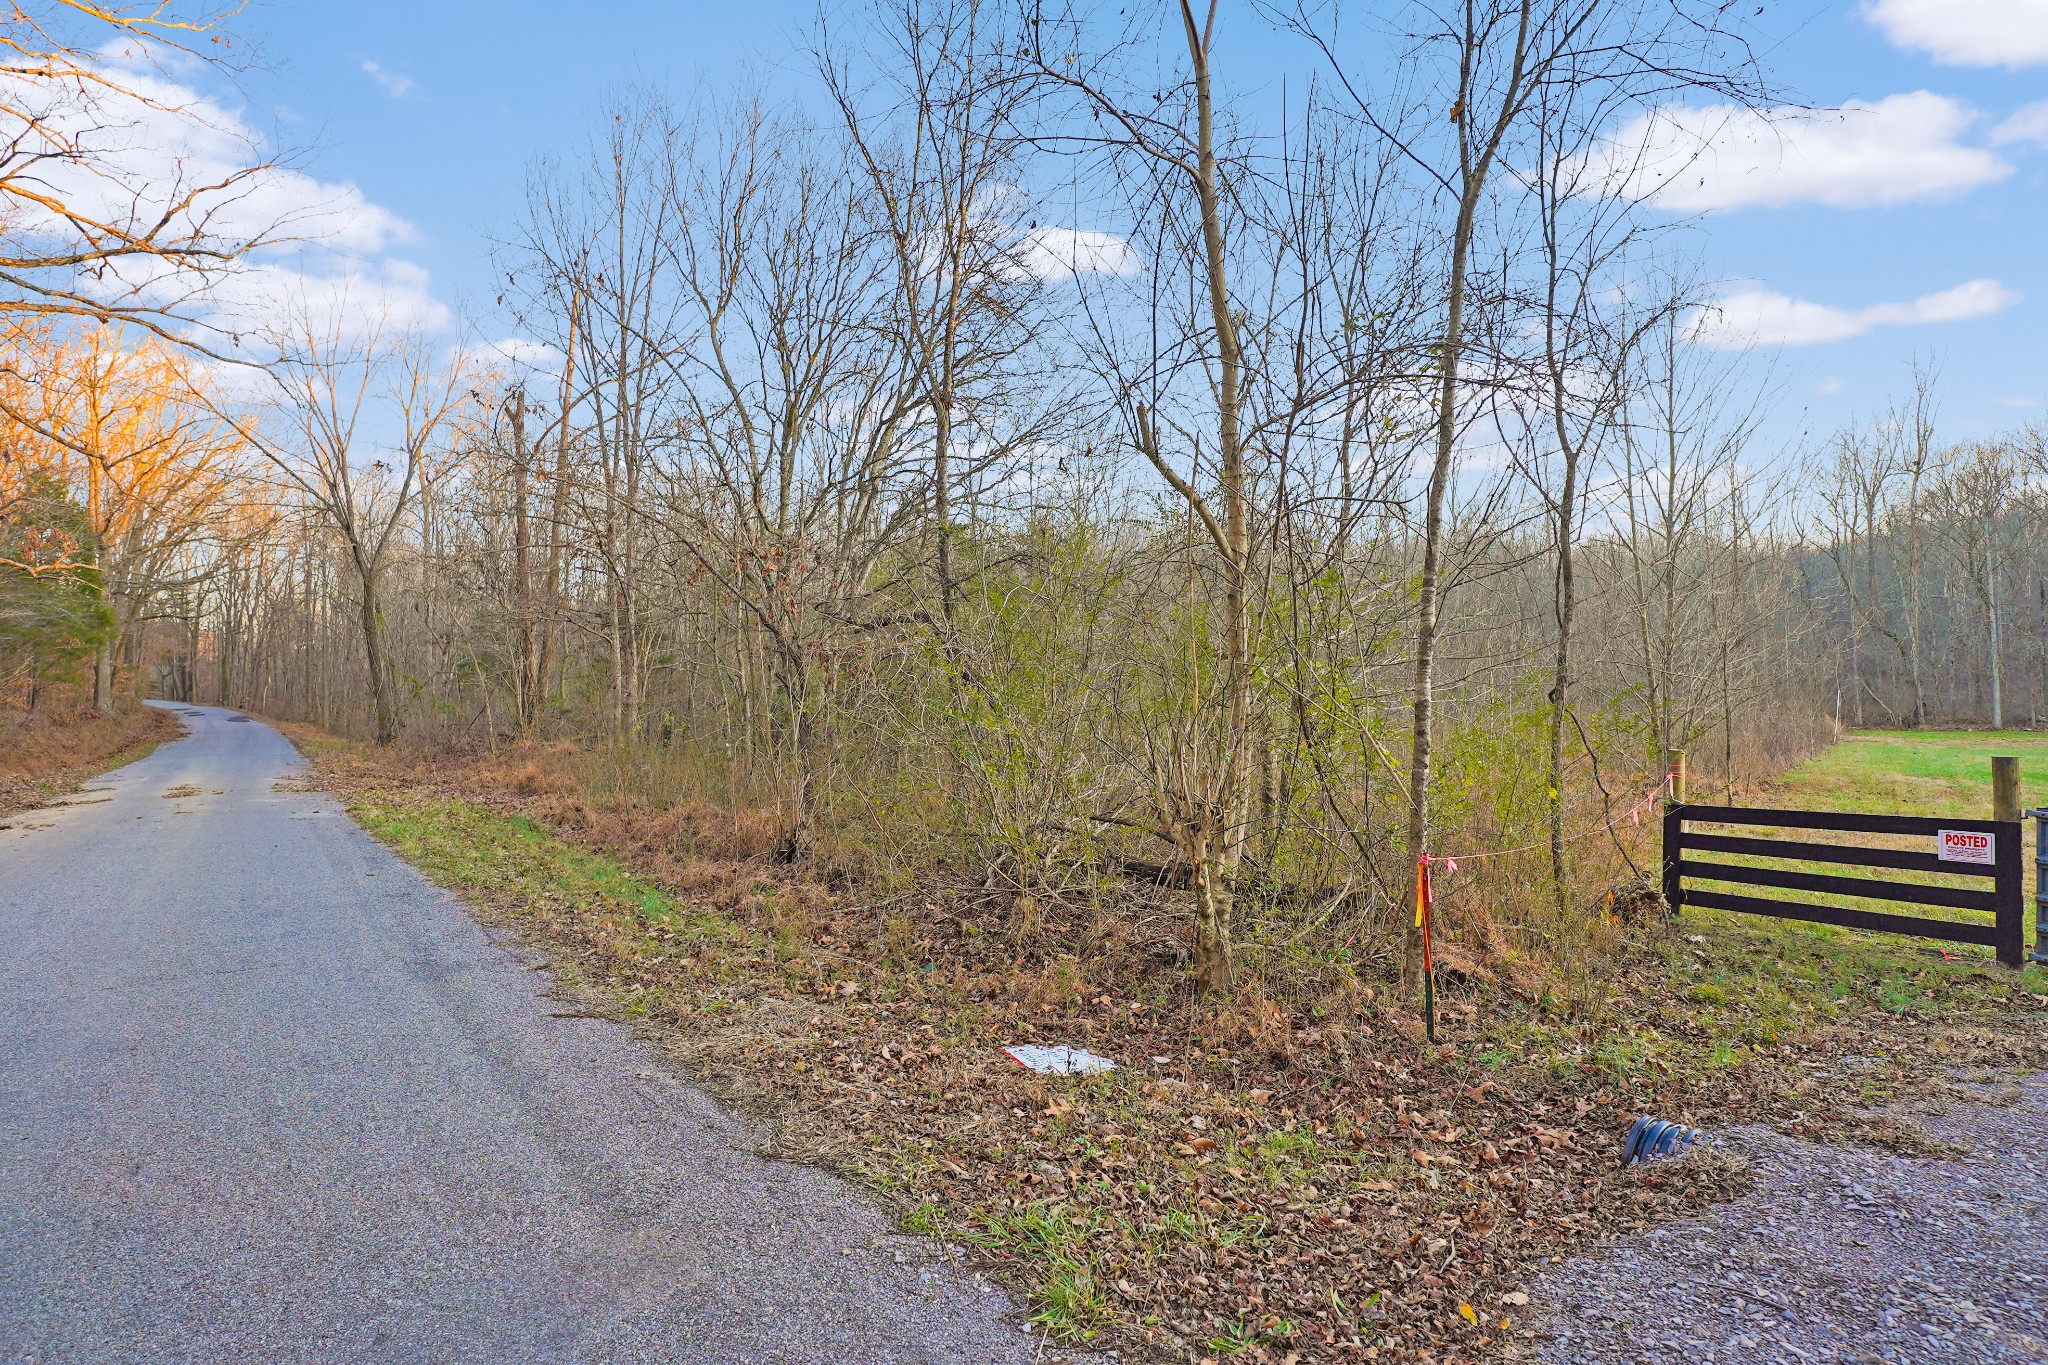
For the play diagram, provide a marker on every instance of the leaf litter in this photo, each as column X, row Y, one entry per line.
column 1268, row 1183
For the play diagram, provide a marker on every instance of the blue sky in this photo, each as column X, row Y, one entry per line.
column 1912, row 226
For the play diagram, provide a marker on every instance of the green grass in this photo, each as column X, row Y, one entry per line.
column 1071, row 1303
column 1927, row 773
column 1916, row 772
column 511, row 862
column 468, row 847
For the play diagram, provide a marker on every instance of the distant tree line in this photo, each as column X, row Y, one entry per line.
column 1937, row 570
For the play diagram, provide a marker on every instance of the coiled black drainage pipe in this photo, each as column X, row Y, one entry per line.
column 1649, row 1138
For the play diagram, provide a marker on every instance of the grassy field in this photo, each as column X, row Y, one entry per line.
column 1927, row 772
column 1758, row 977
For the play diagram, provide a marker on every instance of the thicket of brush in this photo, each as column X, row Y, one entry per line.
column 1029, row 752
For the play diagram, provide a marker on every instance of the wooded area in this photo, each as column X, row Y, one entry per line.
column 1007, row 461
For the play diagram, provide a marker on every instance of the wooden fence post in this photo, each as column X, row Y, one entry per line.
column 2005, row 789
column 1674, row 828
column 2012, row 907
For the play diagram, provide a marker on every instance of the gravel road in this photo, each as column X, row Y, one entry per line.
column 265, row 1095
column 1838, row 1255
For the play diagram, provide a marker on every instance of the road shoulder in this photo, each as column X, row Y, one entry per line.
column 48, row 761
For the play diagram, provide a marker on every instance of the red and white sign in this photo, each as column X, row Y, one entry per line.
column 1966, row 846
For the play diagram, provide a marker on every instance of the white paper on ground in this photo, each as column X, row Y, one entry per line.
column 1059, row 1059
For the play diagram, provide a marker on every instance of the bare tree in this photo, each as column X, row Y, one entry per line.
column 1175, row 150
column 1975, row 503
column 1488, row 63
column 930, row 107
column 356, row 419
column 790, row 493
column 94, row 231
column 1912, row 426
column 1591, row 322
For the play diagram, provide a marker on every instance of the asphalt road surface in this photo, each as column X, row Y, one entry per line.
column 266, row 1095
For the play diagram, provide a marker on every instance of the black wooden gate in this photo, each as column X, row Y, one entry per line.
column 1993, row 886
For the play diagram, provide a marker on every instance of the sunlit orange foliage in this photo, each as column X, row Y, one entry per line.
column 114, row 472
column 119, row 427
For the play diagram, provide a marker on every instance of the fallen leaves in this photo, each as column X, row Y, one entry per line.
column 1350, row 1197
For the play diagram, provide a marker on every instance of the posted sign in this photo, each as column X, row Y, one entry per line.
column 1966, row 846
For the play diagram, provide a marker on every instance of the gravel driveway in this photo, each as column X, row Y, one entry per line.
column 267, row 1096
column 1839, row 1254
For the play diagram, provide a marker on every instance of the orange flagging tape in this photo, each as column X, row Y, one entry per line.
column 1422, row 898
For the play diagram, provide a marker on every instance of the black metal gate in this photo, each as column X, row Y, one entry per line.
column 1975, row 851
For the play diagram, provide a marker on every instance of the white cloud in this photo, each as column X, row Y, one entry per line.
column 390, row 82
column 1054, row 253
column 1755, row 316
column 228, row 382
column 1892, row 151
column 2029, row 123
column 1966, row 32
column 129, row 155
column 133, row 152
column 2017, row 400
column 335, row 296
column 1834, row 383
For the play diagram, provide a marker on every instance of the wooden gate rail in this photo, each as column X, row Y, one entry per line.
column 2002, row 900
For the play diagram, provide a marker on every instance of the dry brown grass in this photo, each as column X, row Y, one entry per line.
column 63, row 742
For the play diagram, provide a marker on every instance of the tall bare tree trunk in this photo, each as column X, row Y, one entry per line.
column 1223, row 846
column 1475, row 165
column 527, row 634
column 942, row 495
column 558, row 509
column 1991, row 619
column 383, row 713
column 1561, row 673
